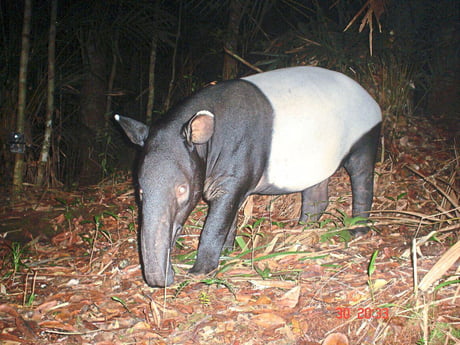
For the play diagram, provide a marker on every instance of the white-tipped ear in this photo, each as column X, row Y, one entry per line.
column 136, row 131
column 200, row 128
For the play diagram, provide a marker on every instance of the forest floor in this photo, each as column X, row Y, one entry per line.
column 77, row 279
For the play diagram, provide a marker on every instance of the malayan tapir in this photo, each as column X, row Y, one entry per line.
column 277, row 132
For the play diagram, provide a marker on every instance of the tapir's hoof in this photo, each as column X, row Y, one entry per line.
column 200, row 269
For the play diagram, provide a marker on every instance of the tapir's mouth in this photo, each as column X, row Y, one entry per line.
column 176, row 233
column 157, row 256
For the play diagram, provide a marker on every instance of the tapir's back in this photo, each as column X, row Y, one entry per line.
column 318, row 116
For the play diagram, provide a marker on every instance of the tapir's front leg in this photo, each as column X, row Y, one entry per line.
column 221, row 218
column 230, row 239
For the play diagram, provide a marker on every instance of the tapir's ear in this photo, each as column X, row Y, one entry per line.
column 136, row 131
column 200, row 128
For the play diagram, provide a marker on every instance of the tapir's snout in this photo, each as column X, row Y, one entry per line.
column 157, row 267
column 155, row 251
column 157, row 270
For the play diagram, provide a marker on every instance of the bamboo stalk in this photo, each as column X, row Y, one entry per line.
column 44, row 154
column 20, row 118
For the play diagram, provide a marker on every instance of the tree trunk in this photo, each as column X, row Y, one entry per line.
column 44, row 154
column 230, row 66
column 20, row 119
column 92, row 106
column 113, row 74
column 173, row 69
column 151, row 95
column 152, row 64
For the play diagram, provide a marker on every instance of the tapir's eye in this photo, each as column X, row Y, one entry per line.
column 182, row 192
column 182, row 189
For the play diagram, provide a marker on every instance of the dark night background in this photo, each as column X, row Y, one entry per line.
column 103, row 53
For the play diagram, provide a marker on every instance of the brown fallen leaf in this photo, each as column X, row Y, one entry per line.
column 263, row 284
column 263, row 300
column 58, row 325
column 290, row 298
column 142, row 325
column 10, row 339
column 336, row 339
column 300, row 326
column 244, row 297
column 21, row 324
column 44, row 307
column 269, row 320
column 287, row 334
column 59, row 219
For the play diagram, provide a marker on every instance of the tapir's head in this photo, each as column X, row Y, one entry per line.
column 171, row 175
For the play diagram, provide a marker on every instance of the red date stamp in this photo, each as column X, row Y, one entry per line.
column 363, row 313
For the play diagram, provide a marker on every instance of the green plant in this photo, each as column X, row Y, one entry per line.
column 179, row 243
column 193, row 83
column 218, row 281
column 398, row 197
column 106, row 158
column 132, row 224
column 446, row 283
column 187, row 258
column 68, row 214
column 254, row 232
column 265, row 273
column 370, row 271
column 442, row 332
column 30, row 300
column 196, row 218
column 204, row 298
column 240, row 242
column 348, row 221
column 342, row 224
column 17, row 251
column 181, row 287
column 280, row 225
column 98, row 228
column 207, row 281
column 122, row 302
column 394, row 79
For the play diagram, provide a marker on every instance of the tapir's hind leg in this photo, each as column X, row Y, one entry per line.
column 314, row 201
column 360, row 166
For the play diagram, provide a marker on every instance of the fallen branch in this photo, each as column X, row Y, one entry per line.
column 440, row 267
